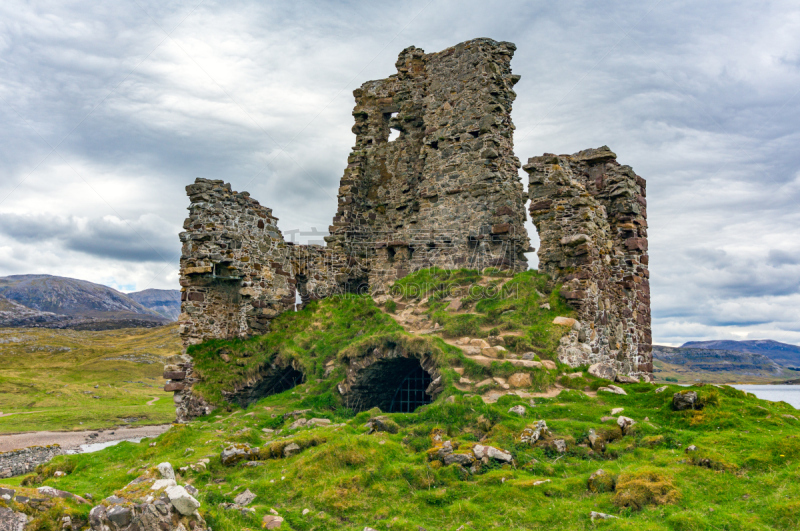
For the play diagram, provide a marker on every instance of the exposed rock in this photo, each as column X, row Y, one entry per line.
column 166, row 471
column 481, row 451
column 691, row 448
column 291, row 449
column 621, row 378
column 625, row 423
column 518, row 410
column 272, row 521
column 601, row 516
column 520, row 379
column 662, row 389
column 564, row 321
column 235, row 453
column 531, row 435
column 617, row 410
column 550, row 365
column 244, row 498
column 603, row 370
column 382, row 424
column 184, row 502
column 560, row 445
column 685, row 400
column 12, row 520
column 613, row 389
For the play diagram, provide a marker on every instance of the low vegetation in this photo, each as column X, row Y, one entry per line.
column 68, row 379
column 734, row 464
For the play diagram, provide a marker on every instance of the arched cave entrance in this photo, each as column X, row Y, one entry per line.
column 270, row 382
column 395, row 385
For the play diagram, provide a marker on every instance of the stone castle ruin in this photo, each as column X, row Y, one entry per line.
column 445, row 192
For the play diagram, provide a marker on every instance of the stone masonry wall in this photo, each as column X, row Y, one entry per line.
column 591, row 215
column 446, row 192
column 23, row 461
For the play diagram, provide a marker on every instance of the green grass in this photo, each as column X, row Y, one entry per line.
column 349, row 480
column 745, row 474
column 48, row 378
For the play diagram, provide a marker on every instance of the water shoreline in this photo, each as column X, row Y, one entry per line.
column 72, row 441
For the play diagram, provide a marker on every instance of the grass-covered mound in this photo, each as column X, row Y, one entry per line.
column 342, row 328
column 743, row 474
column 520, row 308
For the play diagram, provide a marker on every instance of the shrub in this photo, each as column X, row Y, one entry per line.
column 645, row 487
column 390, row 306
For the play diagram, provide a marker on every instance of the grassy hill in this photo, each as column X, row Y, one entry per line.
column 49, row 378
column 734, row 464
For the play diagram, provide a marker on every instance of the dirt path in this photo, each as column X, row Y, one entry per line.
column 73, row 439
column 153, row 401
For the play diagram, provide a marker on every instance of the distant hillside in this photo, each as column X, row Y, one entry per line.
column 783, row 353
column 712, row 365
column 59, row 302
column 166, row 302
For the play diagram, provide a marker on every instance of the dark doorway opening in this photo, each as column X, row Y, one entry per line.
column 396, row 385
column 274, row 380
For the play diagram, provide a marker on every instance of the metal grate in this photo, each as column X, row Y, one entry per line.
column 411, row 393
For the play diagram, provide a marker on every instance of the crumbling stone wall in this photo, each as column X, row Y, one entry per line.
column 445, row 192
column 233, row 279
column 24, row 460
column 591, row 215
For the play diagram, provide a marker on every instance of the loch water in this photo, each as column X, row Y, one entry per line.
column 775, row 393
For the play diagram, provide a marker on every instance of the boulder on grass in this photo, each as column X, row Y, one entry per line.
column 604, row 371
column 685, row 400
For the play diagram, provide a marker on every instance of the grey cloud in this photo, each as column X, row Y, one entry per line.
column 147, row 239
column 696, row 98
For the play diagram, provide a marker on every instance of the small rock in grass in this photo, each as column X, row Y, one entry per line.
column 564, row 321
column 560, row 445
column 621, row 378
column 625, row 423
column 59, row 474
column 685, row 400
column 245, row 498
column 518, row 410
column 520, row 379
column 600, row 516
column 306, row 511
column 617, row 410
column 691, row 448
column 291, row 450
column 550, row 365
column 272, row 521
column 166, row 471
column 613, row 389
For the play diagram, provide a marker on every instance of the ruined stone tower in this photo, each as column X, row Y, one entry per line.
column 591, row 215
column 444, row 193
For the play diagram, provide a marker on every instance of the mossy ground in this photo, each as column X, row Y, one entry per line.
column 744, row 475
column 48, row 378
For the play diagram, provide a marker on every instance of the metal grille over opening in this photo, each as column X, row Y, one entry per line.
column 396, row 385
column 411, row 393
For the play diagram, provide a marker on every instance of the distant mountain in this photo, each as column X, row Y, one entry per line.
column 714, row 365
column 166, row 302
column 783, row 353
column 59, row 302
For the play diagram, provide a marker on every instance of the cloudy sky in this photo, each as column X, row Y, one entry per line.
column 110, row 108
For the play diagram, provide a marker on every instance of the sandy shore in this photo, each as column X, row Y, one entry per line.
column 73, row 439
